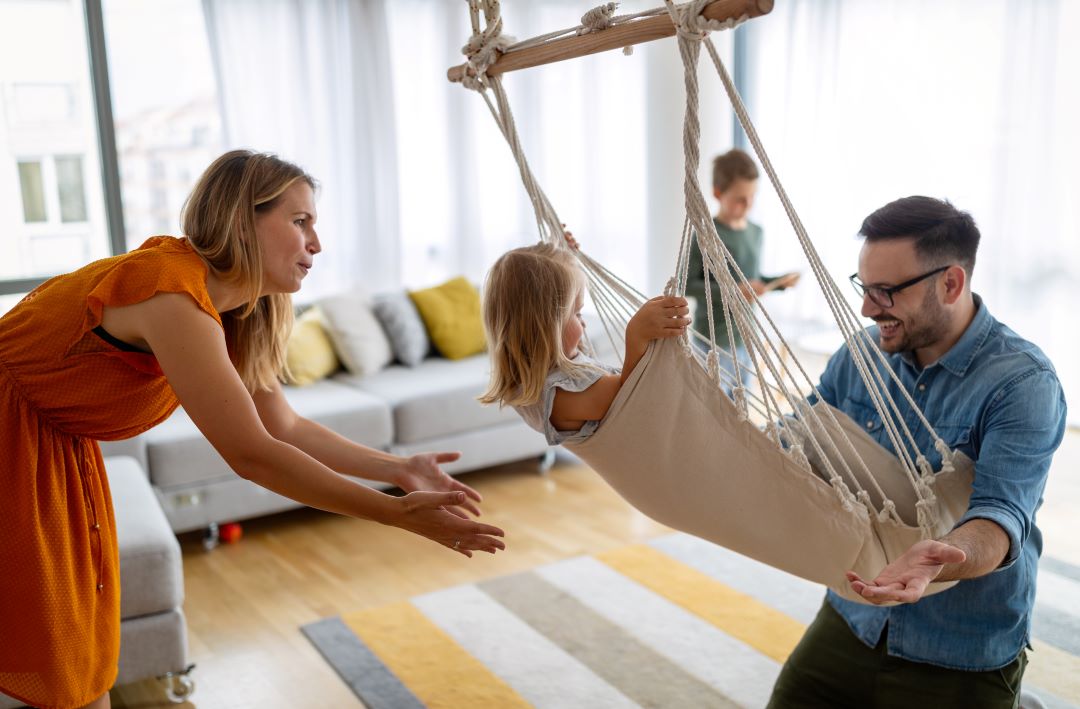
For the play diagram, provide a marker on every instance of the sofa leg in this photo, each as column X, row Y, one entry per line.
column 547, row 460
column 179, row 685
column 211, row 536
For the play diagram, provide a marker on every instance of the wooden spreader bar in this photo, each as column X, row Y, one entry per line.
column 614, row 37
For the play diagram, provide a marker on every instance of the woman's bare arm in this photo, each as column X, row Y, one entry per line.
column 190, row 347
column 418, row 472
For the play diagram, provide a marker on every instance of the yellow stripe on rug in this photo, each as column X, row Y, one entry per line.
column 1054, row 670
column 423, row 657
column 766, row 629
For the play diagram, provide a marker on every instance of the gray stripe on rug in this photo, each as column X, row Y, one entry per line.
column 366, row 675
column 643, row 675
column 1059, row 567
column 1056, row 628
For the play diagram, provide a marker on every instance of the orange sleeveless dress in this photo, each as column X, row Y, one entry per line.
column 62, row 388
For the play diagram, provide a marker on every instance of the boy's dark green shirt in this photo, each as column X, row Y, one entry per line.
column 745, row 247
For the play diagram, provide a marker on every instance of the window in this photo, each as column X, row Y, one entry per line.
column 165, row 108
column 980, row 110
column 33, row 192
column 69, row 179
column 49, row 163
column 7, row 302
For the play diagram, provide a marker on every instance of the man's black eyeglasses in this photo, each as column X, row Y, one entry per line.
column 883, row 295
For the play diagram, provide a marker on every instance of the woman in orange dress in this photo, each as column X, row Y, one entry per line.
column 109, row 351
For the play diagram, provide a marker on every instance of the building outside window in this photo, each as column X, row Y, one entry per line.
column 53, row 217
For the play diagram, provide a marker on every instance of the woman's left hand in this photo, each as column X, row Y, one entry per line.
column 422, row 472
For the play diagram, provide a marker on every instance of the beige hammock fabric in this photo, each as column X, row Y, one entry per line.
column 811, row 494
column 674, row 447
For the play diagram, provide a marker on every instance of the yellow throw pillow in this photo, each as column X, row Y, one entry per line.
column 309, row 353
column 451, row 314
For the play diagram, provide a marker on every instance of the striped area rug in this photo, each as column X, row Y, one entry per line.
column 677, row 622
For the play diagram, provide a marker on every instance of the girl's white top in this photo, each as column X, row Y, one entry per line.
column 538, row 415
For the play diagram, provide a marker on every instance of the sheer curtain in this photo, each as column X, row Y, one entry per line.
column 602, row 133
column 975, row 101
column 417, row 182
column 311, row 81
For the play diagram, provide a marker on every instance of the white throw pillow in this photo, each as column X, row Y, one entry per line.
column 356, row 333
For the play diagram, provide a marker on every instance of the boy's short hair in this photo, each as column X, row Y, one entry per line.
column 732, row 165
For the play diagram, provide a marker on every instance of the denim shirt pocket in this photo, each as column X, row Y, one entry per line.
column 868, row 419
column 957, row 437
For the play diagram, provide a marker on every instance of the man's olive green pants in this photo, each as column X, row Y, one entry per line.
column 832, row 668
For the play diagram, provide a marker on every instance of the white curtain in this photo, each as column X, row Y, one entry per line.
column 975, row 101
column 310, row 81
column 602, row 134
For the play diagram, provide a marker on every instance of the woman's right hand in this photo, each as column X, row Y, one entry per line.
column 425, row 513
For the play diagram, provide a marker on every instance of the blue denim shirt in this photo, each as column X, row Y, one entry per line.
column 996, row 397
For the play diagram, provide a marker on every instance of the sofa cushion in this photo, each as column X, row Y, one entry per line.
column 179, row 454
column 435, row 399
column 451, row 313
column 151, row 575
column 403, row 326
column 309, row 354
column 356, row 333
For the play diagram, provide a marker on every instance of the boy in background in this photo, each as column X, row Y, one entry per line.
column 734, row 185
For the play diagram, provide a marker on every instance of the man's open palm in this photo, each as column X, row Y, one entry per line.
column 905, row 580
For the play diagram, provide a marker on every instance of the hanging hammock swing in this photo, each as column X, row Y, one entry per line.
column 809, row 491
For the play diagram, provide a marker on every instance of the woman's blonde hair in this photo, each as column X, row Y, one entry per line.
column 218, row 219
column 529, row 295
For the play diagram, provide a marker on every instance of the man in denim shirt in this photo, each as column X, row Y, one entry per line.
column 988, row 393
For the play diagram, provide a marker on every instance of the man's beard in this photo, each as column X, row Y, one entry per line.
column 921, row 329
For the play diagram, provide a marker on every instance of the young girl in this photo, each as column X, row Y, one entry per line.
column 532, row 315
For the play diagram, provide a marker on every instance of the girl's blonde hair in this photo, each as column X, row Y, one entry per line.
column 528, row 297
column 218, row 219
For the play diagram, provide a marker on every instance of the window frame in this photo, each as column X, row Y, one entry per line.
column 106, row 136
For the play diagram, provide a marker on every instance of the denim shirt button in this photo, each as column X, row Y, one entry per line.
column 922, row 387
column 869, row 424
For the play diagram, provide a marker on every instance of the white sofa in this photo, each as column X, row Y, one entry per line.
column 404, row 410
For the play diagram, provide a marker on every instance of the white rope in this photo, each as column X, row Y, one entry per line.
column 616, row 301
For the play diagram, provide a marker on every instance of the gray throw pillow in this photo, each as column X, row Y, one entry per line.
column 401, row 321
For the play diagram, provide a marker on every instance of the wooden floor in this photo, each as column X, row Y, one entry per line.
column 246, row 602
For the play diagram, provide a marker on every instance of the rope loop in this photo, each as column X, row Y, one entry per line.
column 712, row 365
column 847, row 501
column 686, row 17
column 598, row 18
column 924, row 509
column 483, row 49
column 924, row 466
column 692, row 26
column 799, row 455
column 739, row 396
column 888, row 511
column 946, row 456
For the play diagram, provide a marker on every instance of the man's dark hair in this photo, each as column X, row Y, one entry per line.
column 943, row 234
column 732, row 165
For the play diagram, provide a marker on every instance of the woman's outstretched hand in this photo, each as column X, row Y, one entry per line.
column 423, row 472
column 428, row 514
